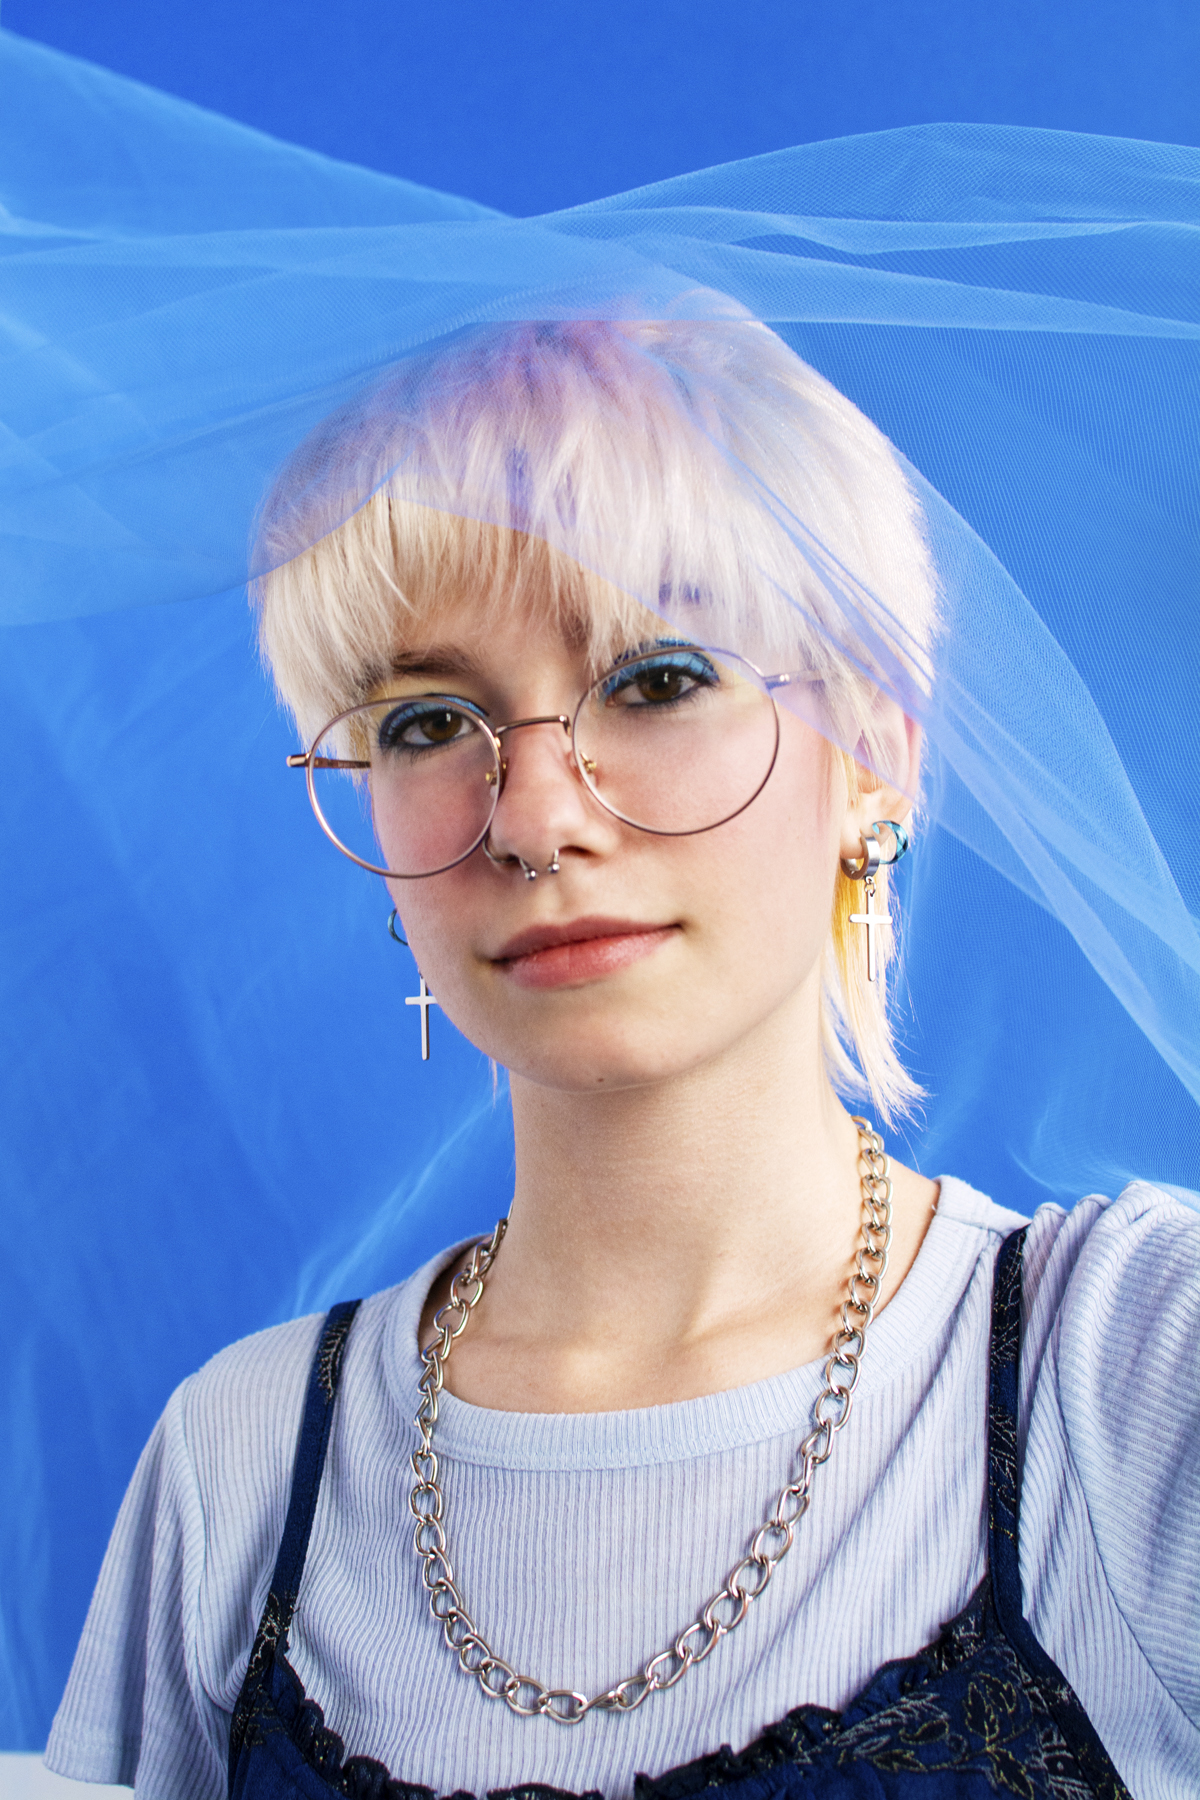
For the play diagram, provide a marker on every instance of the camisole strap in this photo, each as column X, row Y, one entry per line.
column 323, row 1382
column 1004, row 1509
column 323, row 1379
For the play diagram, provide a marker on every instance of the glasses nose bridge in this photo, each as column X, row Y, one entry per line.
column 501, row 731
column 540, row 719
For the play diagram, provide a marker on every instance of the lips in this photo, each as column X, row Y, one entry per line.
column 584, row 950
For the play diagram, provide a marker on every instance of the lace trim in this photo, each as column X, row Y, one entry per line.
column 361, row 1777
column 276, row 1614
column 330, row 1353
column 964, row 1703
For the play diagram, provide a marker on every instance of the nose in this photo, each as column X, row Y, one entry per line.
column 544, row 810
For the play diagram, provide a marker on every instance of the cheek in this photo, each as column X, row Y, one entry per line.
column 792, row 829
column 437, row 916
column 774, row 878
column 758, row 891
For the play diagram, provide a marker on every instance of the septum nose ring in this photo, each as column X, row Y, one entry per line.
column 527, row 869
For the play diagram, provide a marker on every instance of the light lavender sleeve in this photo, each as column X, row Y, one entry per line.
column 1110, row 1550
column 164, row 1648
column 131, row 1668
column 1129, row 1390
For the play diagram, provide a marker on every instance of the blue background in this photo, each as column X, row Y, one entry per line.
column 529, row 104
column 222, row 1095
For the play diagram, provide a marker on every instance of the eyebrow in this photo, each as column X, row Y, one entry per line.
column 648, row 646
column 435, row 661
column 439, row 660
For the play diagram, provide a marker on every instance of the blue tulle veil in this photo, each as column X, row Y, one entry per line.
column 191, row 1149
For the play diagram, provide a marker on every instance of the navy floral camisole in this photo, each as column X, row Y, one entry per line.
column 981, row 1712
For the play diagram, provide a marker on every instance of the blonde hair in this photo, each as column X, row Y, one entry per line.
column 592, row 470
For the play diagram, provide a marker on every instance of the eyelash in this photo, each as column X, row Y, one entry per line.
column 692, row 663
column 403, row 717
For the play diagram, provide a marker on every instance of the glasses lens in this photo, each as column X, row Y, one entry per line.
column 407, row 785
column 677, row 740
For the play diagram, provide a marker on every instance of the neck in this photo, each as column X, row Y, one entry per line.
column 673, row 1238
column 698, row 1175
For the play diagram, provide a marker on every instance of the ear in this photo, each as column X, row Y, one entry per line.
column 888, row 758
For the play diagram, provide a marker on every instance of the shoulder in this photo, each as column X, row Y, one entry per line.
column 236, row 1420
column 1092, row 1274
column 252, row 1385
column 1103, row 1280
column 973, row 1217
column 1113, row 1300
column 239, row 1415
column 1111, row 1304
column 1110, row 1292
column 164, row 1650
column 1106, row 1285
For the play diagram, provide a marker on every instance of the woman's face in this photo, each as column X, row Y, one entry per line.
column 644, row 956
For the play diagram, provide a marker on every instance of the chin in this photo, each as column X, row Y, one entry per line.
column 606, row 1057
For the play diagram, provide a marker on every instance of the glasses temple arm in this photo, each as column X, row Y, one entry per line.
column 300, row 759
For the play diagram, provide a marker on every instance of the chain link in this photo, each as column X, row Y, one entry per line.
column 769, row 1544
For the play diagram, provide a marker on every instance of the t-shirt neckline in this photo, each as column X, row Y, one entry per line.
column 712, row 1423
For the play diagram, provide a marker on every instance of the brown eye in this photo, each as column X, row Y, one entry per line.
column 662, row 683
column 439, row 727
column 666, row 680
column 417, row 725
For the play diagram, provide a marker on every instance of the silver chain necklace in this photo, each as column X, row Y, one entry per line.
column 767, row 1548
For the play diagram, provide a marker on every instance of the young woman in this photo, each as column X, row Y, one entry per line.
column 740, row 1455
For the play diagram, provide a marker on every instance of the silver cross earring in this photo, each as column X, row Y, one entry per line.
column 864, row 869
column 424, row 999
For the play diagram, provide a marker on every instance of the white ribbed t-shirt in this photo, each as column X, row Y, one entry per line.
column 583, row 1542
